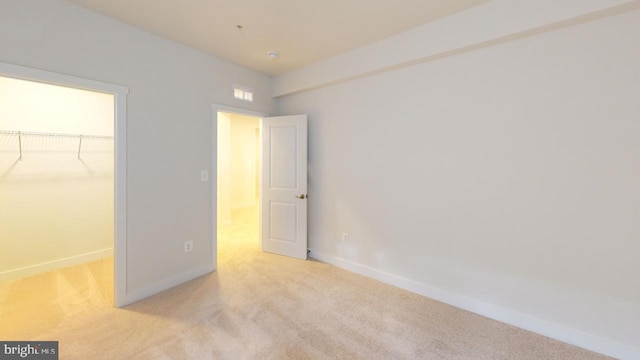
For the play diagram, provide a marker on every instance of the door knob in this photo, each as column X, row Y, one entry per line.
column 302, row 196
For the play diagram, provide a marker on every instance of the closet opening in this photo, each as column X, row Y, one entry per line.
column 62, row 191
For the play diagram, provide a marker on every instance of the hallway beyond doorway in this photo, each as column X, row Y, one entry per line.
column 241, row 235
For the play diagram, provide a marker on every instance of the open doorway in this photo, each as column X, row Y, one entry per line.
column 57, row 176
column 57, row 191
column 63, row 191
column 262, row 205
column 238, row 181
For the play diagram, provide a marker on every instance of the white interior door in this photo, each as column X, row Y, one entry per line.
column 284, row 186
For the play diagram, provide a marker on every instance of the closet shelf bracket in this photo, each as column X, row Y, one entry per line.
column 79, row 147
column 20, row 144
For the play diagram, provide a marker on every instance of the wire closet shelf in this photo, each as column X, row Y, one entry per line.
column 26, row 134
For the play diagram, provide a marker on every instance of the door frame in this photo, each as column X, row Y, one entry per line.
column 216, row 108
column 120, row 156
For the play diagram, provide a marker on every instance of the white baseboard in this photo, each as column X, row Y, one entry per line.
column 523, row 321
column 54, row 265
column 163, row 285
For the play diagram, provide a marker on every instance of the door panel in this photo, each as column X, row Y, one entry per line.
column 283, row 222
column 284, row 186
column 283, row 157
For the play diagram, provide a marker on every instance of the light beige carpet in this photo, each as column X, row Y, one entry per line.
column 257, row 306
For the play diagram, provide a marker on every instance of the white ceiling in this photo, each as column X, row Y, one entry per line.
column 302, row 31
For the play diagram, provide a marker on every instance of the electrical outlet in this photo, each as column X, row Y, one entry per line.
column 345, row 238
column 188, row 246
column 204, row 175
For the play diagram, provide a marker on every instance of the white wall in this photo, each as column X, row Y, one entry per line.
column 490, row 23
column 237, row 164
column 30, row 106
column 56, row 209
column 504, row 180
column 244, row 149
column 169, row 124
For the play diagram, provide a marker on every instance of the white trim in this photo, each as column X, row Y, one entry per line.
column 55, row 264
column 213, row 209
column 120, row 191
column 42, row 76
column 120, row 156
column 168, row 283
column 234, row 110
column 523, row 321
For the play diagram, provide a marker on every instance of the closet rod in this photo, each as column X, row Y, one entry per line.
column 32, row 133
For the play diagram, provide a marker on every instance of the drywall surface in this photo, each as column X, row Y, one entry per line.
column 169, row 124
column 493, row 22
column 56, row 209
column 505, row 177
column 238, row 150
column 244, row 160
column 30, row 106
